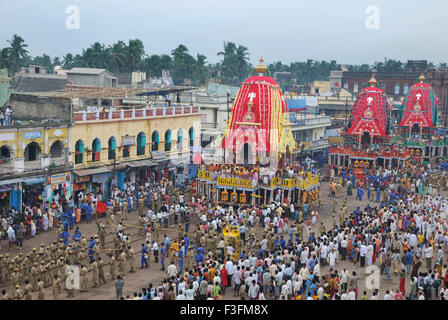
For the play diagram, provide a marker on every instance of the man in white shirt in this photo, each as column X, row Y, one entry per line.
column 362, row 254
column 332, row 258
column 181, row 295
column 253, row 290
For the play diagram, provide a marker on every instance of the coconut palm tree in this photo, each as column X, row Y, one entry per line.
column 118, row 52
column 4, row 58
column 67, row 61
column 134, row 53
column 242, row 57
column 17, row 53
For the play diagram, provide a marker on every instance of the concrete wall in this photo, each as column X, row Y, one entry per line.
column 91, row 80
column 4, row 86
column 31, row 107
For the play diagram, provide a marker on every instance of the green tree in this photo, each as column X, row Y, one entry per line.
column 242, row 56
column 118, row 52
column 17, row 53
column 67, row 61
column 201, row 69
column 181, row 58
column 135, row 52
column 229, row 64
column 4, row 58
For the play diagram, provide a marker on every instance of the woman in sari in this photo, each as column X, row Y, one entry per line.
column 77, row 215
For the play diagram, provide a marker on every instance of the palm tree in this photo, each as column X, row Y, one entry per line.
column 229, row 64
column 67, row 61
column 134, row 53
column 118, row 52
column 242, row 56
column 180, row 63
column 4, row 58
column 442, row 65
column 200, row 71
column 17, row 53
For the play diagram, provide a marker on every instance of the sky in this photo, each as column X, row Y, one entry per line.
column 279, row 30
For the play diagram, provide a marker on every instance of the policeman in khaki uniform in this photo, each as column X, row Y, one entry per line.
column 101, row 277
column 125, row 205
column 95, row 274
column 84, row 279
column 71, row 286
column 113, row 266
column 122, row 263
column 41, row 292
column 18, row 294
column 28, row 290
column 57, row 288
column 131, row 256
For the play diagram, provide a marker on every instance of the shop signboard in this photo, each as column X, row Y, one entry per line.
column 32, row 135
column 101, row 177
column 128, row 140
column 60, row 178
column 6, row 187
column 82, row 179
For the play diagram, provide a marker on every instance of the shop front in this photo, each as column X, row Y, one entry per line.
column 100, row 183
column 59, row 186
column 34, row 191
column 92, row 180
column 10, row 195
column 139, row 171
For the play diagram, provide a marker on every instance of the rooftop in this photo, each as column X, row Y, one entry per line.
column 71, row 91
column 86, row 71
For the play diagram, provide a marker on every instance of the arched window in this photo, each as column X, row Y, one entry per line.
column 155, row 141
column 33, row 152
column 141, row 143
column 56, row 149
column 96, row 150
column 168, row 140
column 79, row 151
column 191, row 135
column 180, row 139
column 5, row 154
column 112, row 147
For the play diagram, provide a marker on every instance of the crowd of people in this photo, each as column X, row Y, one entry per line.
column 280, row 251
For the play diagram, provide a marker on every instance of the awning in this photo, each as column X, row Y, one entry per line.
column 140, row 163
column 10, row 181
column 34, row 180
column 87, row 172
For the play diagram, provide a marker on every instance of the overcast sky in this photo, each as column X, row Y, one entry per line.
column 282, row 30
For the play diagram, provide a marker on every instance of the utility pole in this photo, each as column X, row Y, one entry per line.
column 346, row 110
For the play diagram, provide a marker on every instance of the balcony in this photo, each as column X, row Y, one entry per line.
column 134, row 114
column 59, row 161
column 6, row 167
column 32, row 165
